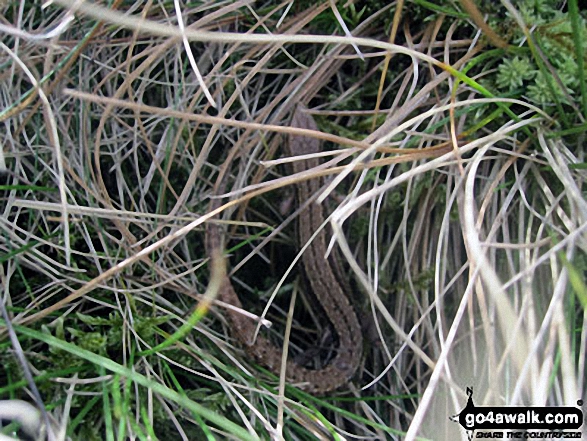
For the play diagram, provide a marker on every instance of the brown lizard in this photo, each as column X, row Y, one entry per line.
column 322, row 279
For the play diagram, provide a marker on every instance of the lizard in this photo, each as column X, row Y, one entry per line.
column 322, row 278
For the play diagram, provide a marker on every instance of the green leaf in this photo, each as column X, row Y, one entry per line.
column 131, row 374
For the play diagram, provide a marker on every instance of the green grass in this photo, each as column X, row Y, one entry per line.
column 459, row 221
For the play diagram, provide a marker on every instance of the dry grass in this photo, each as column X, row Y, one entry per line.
column 460, row 214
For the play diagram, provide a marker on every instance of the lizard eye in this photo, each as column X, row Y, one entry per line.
column 343, row 366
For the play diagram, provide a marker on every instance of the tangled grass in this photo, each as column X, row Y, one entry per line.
column 455, row 190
